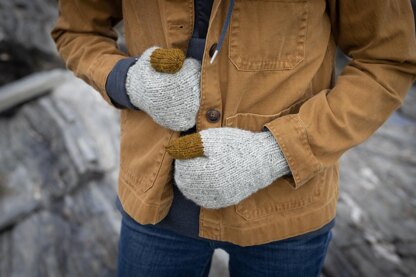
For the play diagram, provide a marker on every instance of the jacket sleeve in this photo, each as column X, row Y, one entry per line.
column 379, row 37
column 86, row 41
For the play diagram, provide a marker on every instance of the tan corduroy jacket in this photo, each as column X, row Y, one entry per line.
column 275, row 69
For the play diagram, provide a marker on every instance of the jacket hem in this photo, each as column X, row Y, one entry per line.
column 139, row 209
column 291, row 227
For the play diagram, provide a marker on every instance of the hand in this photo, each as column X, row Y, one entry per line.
column 219, row 167
column 171, row 99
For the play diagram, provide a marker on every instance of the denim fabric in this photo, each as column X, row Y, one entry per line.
column 145, row 250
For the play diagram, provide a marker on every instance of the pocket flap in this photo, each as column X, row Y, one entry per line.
column 255, row 122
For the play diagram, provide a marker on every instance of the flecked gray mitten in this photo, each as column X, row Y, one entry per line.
column 171, row 99
column 235, row 164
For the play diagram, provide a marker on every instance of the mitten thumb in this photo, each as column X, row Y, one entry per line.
column 186, row 147
column 167, row 60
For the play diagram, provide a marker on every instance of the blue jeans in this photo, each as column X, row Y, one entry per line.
column 146, row 250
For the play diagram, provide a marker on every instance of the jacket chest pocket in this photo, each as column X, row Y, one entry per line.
column 268, row 34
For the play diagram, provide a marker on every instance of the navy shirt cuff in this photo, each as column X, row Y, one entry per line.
column 115, row 84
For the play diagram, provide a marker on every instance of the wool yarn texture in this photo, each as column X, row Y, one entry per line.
column 235, row 164
column 171, row 99
column 168, row 60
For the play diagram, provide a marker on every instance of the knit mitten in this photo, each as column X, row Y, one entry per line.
column 171, row 97
column 219, row 167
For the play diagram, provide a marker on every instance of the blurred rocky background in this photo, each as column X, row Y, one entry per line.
column 58, row 171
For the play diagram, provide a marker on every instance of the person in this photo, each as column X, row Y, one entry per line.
column 237, row 145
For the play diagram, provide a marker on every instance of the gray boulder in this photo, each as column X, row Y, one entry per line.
column 58, row 176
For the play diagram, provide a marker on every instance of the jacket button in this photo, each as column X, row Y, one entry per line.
column 212, row 49
column 213, row 115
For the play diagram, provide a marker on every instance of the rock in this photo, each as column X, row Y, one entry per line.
column 26, row 22
column 58, row 170
column 38, row 246
column 408, row 109
column 376, row 213
column 29, row 87
column 25, row 42
column 26, row 45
